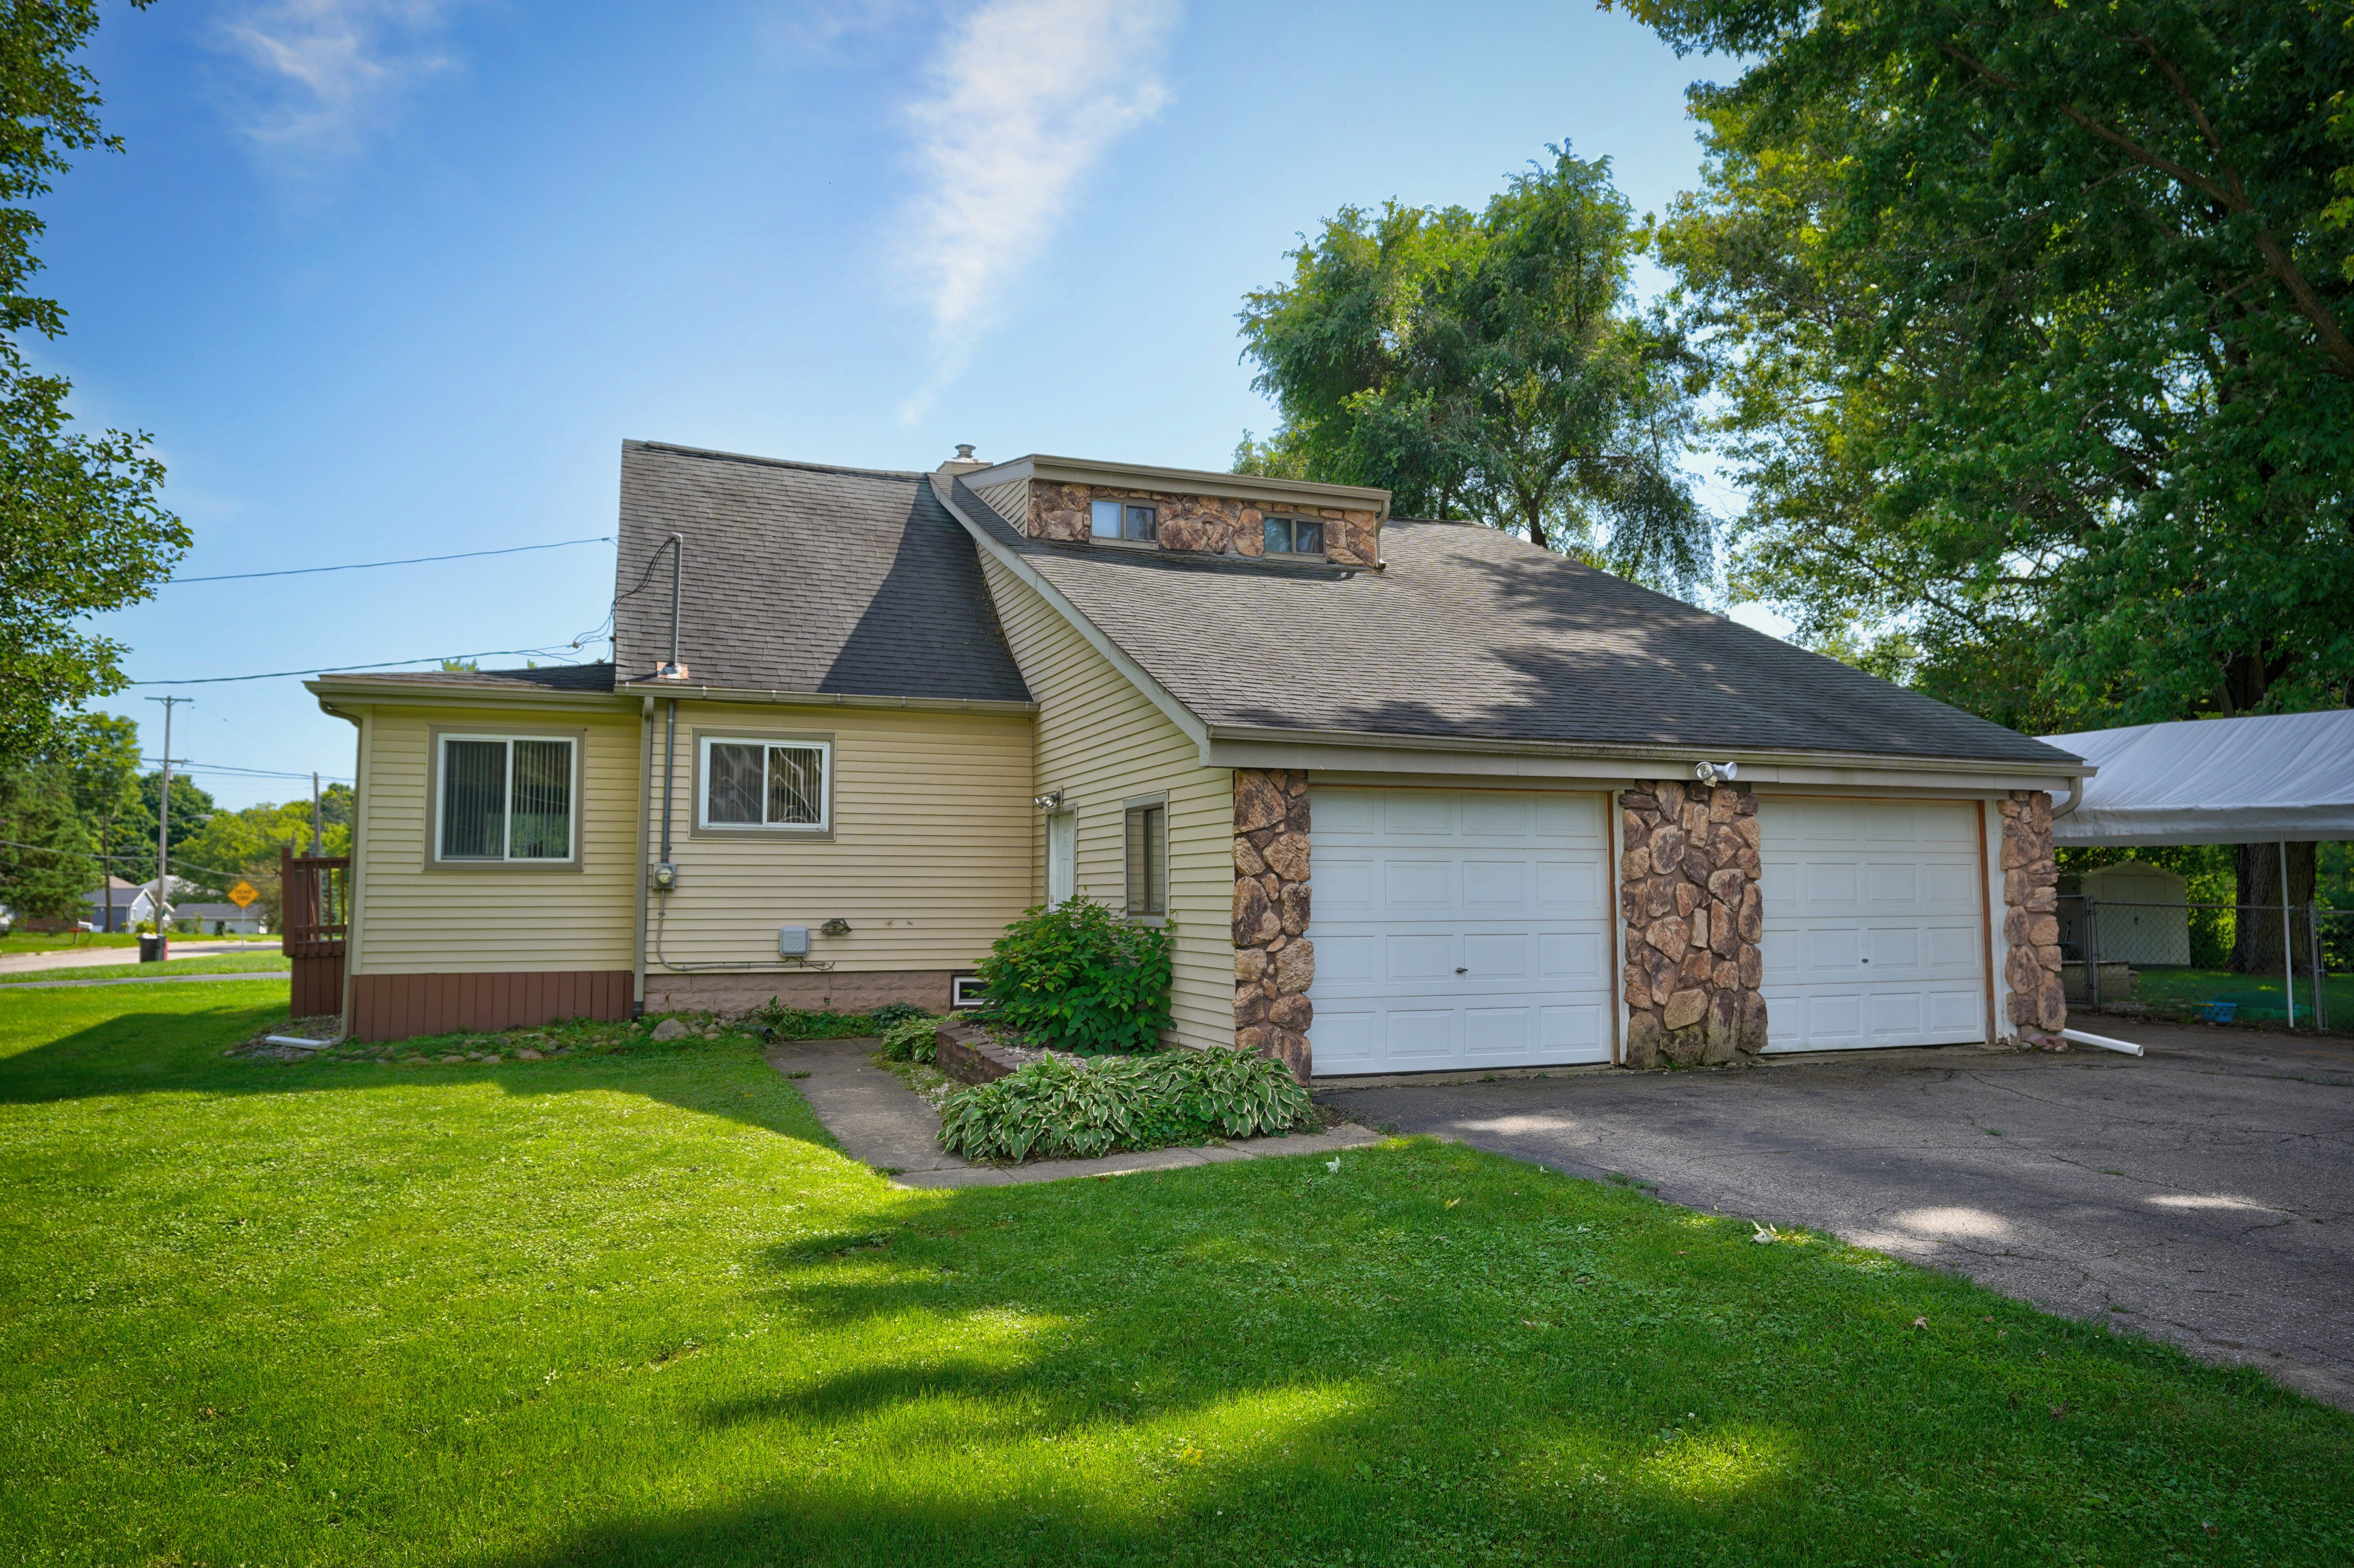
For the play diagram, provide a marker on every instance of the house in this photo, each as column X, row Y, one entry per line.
column 218, row 919
column 120, row 905
column 1412, row 795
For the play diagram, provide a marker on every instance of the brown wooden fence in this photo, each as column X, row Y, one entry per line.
column 314, row 927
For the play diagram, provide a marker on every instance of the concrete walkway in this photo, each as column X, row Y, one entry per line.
column 880, row 1122
column 2203, row 1194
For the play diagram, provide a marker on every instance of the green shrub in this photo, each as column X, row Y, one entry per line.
column 912, row 1039
column 1055, row 1108
column 775, row 1020
column 1081, row 978
column 892, row 1013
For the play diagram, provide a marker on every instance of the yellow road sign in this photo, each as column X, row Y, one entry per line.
column 242, row 895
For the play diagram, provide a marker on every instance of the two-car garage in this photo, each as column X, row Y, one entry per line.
column 1475, row 928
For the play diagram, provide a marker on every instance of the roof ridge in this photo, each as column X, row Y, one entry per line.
column 715, row 455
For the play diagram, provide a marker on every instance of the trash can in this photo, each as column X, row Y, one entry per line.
column 150, row 949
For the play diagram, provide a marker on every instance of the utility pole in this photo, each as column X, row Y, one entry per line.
column 163, row 827
column 317, row 843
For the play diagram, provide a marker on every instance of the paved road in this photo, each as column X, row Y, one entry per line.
column 147, row 980
column 2203, row 1193
column 91, row 958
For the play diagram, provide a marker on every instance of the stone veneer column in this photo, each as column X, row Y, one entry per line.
column 1274, row 961
column 1688, row 897
column 2030, row 918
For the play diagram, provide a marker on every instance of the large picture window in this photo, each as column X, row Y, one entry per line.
column 757, row 783
column 505, row 798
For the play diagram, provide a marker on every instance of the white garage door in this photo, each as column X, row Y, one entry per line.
column 1458, row 928
column 1874, row 929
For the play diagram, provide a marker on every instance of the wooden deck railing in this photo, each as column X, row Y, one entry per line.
column 314, row 924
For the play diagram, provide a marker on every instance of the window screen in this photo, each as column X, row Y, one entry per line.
column 1103, row 519
column 1148, row 859
column 764, row 784
column 506, row 798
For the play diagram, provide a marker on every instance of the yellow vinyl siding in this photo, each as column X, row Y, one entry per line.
column 1102, row 743
column 929, row 858
column 486, row 919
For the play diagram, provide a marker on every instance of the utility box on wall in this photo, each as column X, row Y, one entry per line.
column 792, row 941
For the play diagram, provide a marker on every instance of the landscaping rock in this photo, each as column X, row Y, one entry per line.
column 528, row 1054
column 671, row 1029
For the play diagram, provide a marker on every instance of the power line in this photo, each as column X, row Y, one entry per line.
column 247, row 773
column 114, row 859
column 557, row 650
column 367, row 565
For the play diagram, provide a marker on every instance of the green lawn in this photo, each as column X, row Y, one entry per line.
column 633, row 1309
column 2262, row 997
column 57, row 941
column 220, row 964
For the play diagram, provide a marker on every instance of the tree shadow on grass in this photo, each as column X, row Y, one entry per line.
column 1257, row 1363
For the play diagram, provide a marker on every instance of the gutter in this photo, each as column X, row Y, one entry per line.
column 1677, row 754
column 680, row 689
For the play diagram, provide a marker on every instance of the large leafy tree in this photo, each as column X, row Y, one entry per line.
column 81, row 527
column 2034, row 324
column 245, row 845
column 99, row 757
column 1488, row 365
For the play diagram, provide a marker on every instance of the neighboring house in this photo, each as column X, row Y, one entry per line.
column 218, row 919
column 1413, row 795
column 120, row 906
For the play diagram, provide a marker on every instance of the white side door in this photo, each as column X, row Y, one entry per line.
column 1875, row 930
column 1458, row 928
column 1062, row 857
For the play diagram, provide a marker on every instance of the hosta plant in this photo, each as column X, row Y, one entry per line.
column 1058, row 1108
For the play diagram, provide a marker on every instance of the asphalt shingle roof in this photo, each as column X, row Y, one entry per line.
column 802, row 578
column 1473, row 634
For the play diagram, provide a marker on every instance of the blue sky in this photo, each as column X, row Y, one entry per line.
column 395, row 278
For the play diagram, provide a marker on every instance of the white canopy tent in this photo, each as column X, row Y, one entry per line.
column 2275, row 778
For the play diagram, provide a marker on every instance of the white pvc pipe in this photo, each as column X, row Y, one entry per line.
column 2288, row 948
column 2103, row 1041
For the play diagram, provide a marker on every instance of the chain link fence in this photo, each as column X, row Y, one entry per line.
column 2223, row 963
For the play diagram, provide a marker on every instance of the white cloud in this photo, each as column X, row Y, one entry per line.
column 1022, row 100
column 329, row 70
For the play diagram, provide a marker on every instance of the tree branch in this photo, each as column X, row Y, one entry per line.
column 2231, row 195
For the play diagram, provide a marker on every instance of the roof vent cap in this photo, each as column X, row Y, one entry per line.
column 963, row 460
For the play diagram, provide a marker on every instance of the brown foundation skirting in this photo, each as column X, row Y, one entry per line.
column 397, row 1007
column 810, row 990
column 317, row 989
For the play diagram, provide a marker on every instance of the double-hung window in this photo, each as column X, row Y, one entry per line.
column 1124, row 520
column 1295, row 536
column 756, row 783
column 1147, row 846
column 505, row 798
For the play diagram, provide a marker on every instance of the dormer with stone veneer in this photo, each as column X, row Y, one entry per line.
column 1129, row 506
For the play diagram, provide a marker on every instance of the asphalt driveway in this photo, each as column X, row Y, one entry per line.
column 2203, row 1193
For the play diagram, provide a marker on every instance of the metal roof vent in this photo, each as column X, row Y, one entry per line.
column 963, row 460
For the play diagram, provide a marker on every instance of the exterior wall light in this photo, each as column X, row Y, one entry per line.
column 1717, row 772
column 1052, row 800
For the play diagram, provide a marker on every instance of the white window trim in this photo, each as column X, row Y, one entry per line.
column 571, row 856
column 703, row 823
column 1168, row 893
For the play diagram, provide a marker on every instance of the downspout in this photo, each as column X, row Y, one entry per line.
column 2076, row 797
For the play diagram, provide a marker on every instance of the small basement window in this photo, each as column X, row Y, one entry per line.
column 1295, row 536
column 1124, row 520
column 504, row 797
column 753, row 783
column 1147, row 845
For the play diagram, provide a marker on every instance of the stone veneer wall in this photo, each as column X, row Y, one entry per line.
column 1213, row 525
column 1688, row 896
column 1274, row 961
column 2030, row 918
